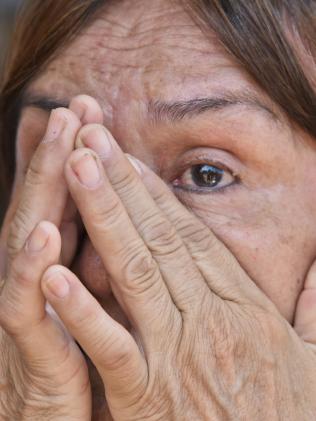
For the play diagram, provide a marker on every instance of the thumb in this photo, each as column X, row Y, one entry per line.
column 305, row 317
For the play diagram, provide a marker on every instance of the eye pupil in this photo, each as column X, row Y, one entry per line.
column 206, row 175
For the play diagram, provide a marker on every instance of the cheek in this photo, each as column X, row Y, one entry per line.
column 273, row 262
column 273, row 241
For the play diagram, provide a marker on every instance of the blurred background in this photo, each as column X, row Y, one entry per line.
column 7, row 13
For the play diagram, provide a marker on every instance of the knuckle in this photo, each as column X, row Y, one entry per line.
column 14, row 315
column 161, row 196
column 10, row 318
column 125, row 182
column 140, row 273
column 199, row 236
column 119, row 351
column 16, row 272
column 35, row 173
column 18, row 232
column 23, row 275
column 84, row 316
column 223, row 336
column 108, row 214
column 160, row 235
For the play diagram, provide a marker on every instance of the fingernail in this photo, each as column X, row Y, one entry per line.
column 98, row 140
column 37, row 240
column 135, row 163
column 58, row 285
column 86, row 170
column 55, row 127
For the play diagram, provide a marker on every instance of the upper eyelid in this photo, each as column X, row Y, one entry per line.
column 43, row 103
column 208, row 160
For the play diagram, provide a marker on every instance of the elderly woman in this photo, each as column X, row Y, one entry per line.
column 161, row 218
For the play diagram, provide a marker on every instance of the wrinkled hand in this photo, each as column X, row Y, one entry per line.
column 206, row 342
column 43, row 374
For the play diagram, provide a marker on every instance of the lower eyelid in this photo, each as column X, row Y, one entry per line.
column 204, row 192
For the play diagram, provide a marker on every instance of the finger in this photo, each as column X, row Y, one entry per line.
column 174, row 261
column 138, row 285
column 159, row 235
column 22, row 304
column 44, row 180
column 305, row 315
column 220, row 269
column 21, row 292
column 109, row 346
column 88, row 111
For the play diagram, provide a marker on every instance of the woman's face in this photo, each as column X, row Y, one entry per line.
column 174, row 99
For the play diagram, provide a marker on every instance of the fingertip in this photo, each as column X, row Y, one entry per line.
column 56, row 282
column 97, row 138
column 87, row 109
column 62, row 127
column 67, row 115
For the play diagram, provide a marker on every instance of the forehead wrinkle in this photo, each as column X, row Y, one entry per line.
column 140, row 16
column 104, row 43
column 122, row 65
column 151, row 28
column 114, row 50
column 148, row 57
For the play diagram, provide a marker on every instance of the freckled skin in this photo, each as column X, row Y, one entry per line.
column 141, row 51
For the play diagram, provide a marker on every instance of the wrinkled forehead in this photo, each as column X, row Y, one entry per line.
column 139, row 51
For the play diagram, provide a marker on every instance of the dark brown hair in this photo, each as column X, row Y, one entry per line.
column 252, row 31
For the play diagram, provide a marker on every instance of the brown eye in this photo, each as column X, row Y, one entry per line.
column 205, row 177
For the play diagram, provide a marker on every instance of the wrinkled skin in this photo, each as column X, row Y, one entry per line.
column 127, row 60
column 272, row 209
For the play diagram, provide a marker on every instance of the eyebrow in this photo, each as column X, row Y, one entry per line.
column 176, row 111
